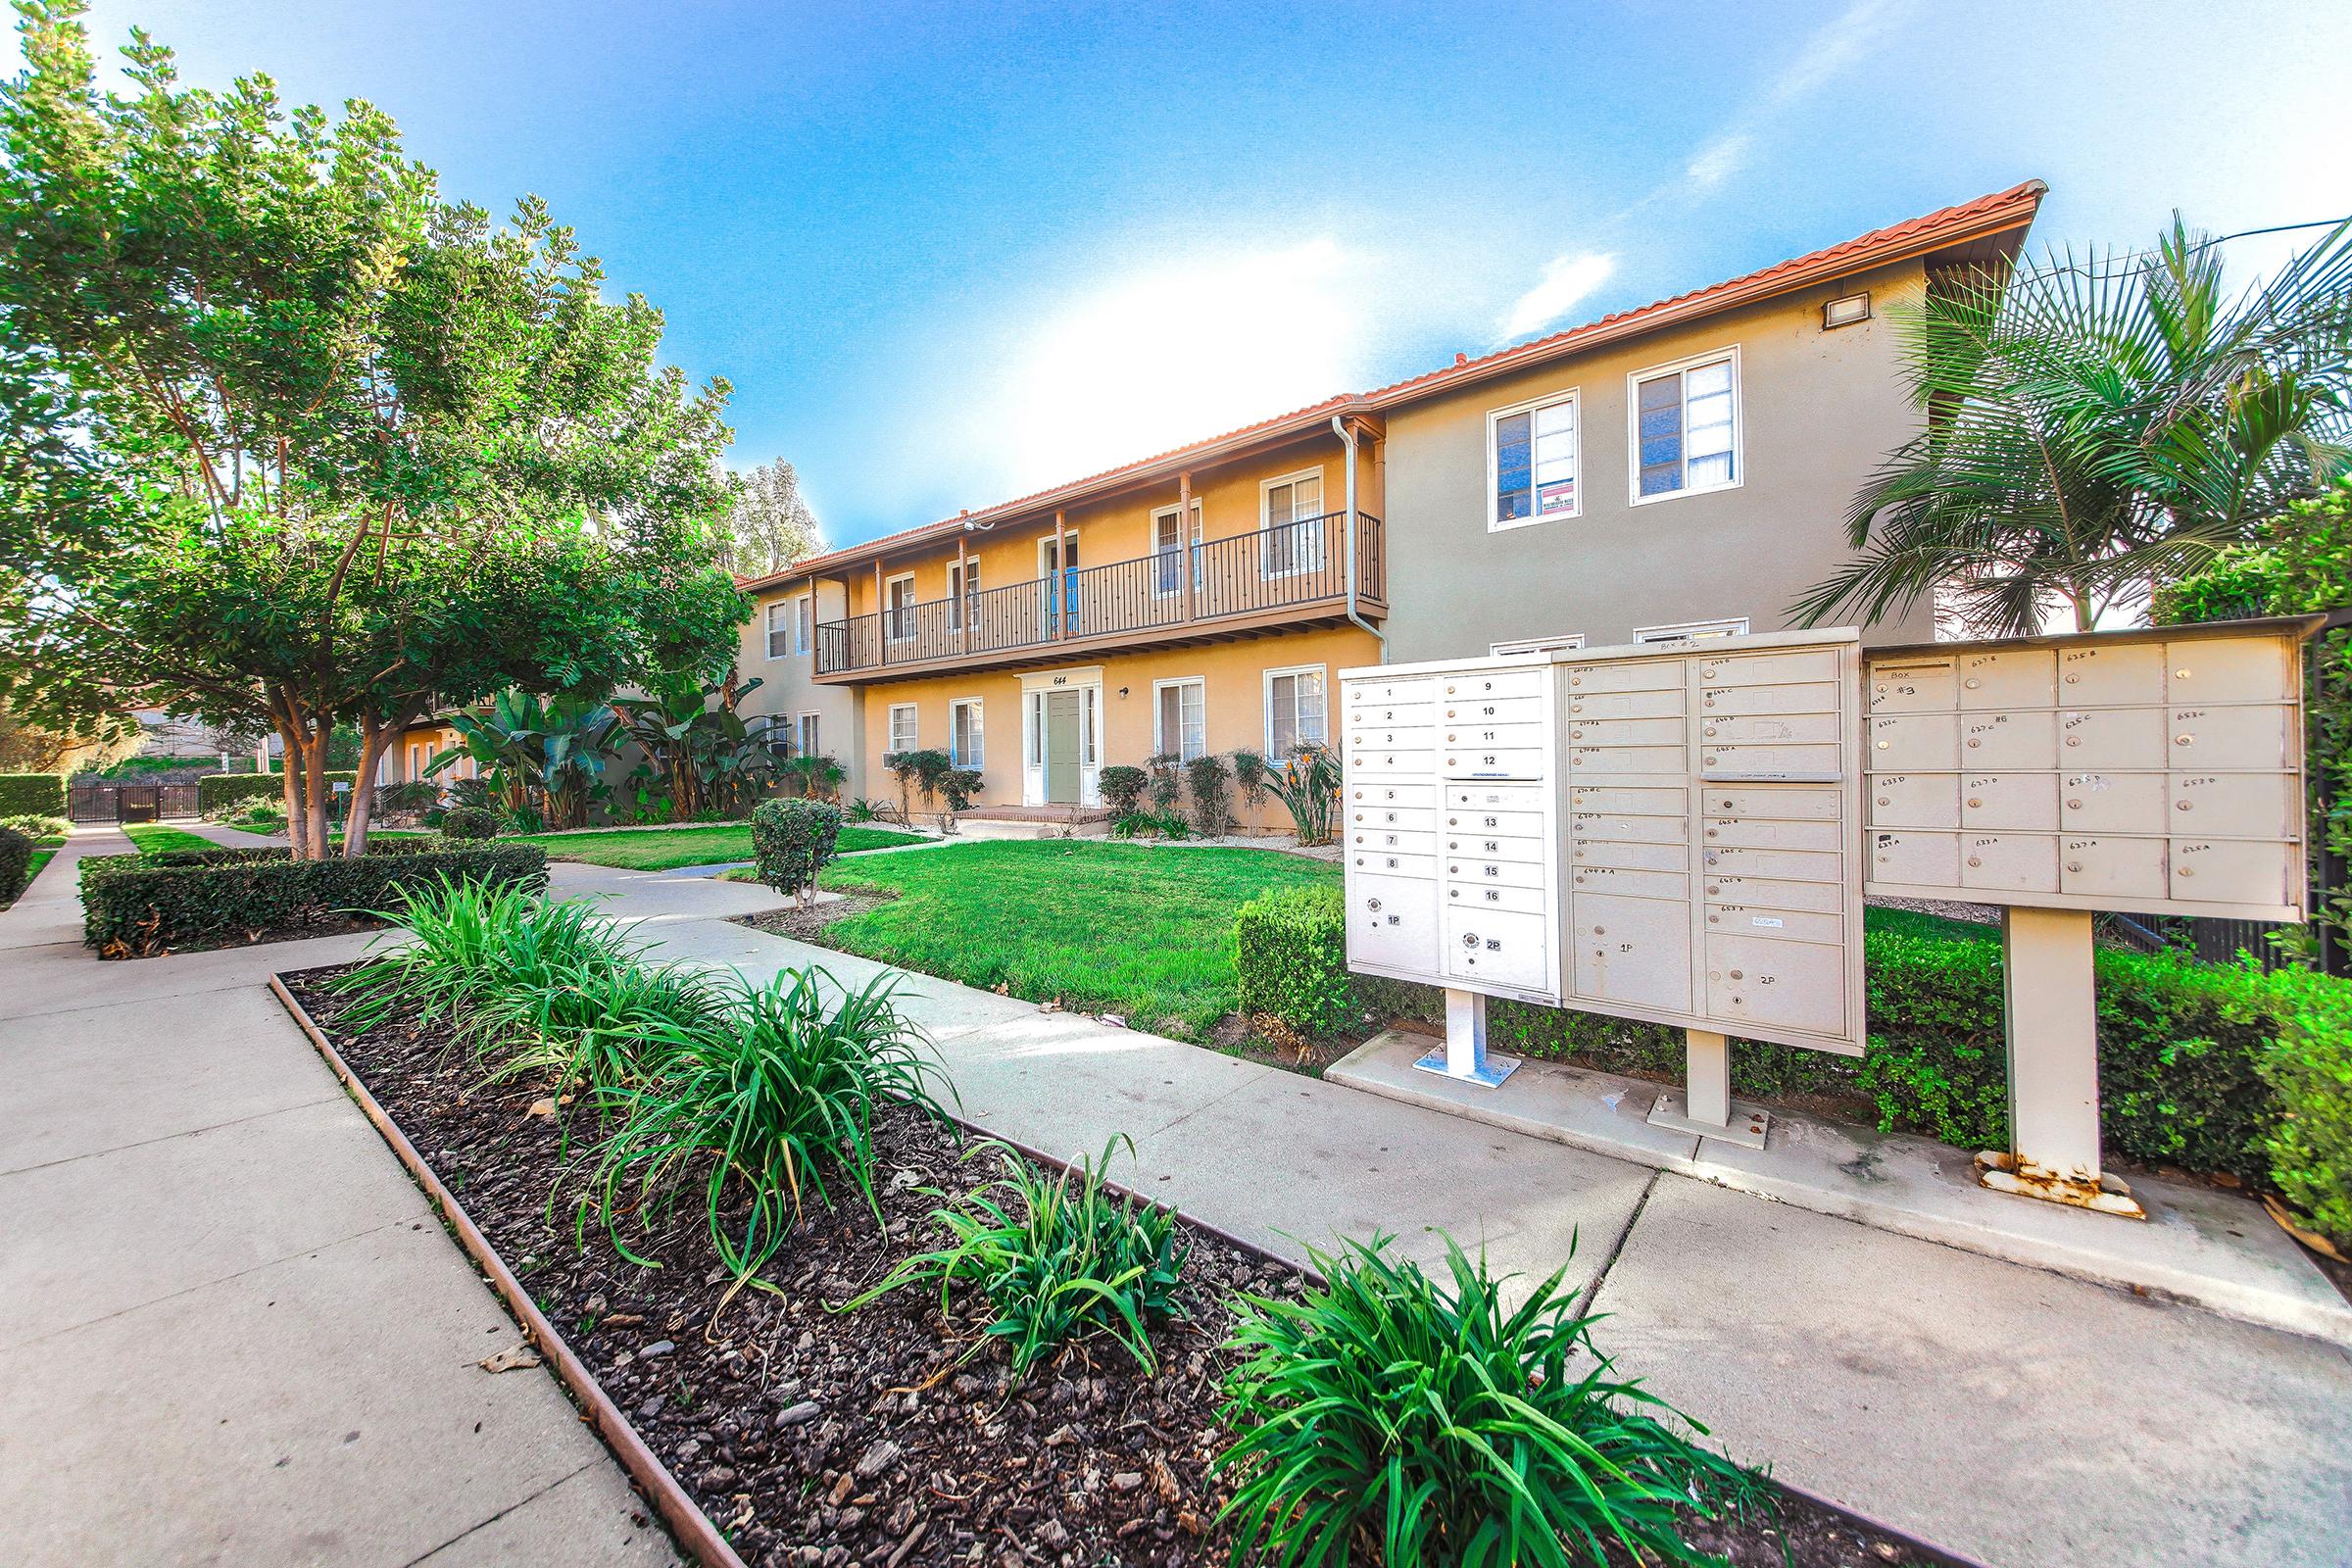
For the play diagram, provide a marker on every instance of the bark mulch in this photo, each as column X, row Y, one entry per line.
column 818, row 1439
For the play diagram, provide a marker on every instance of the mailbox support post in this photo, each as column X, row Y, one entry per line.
column 2053, row 1038
column 1464, row 1056
column 1704, row 1104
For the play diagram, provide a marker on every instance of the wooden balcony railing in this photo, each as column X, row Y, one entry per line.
column 1293, row 565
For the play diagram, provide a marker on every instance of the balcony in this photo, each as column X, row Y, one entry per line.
column 1285, row 578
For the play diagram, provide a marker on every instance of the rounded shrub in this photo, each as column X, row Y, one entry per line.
column 470, row 823
column 791, row 839
column 1122, row 788
column 15, row 865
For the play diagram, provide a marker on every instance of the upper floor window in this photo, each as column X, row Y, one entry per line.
column 780, row 628
column 1294, row 711
column 1291, row 541
column 964, row 586
column 1167, row 551
column 897, row 598
column 1686, row 427
column 804, row 623
column 1531, row 463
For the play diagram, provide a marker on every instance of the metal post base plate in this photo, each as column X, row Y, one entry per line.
column 2000, row 1172
column 1749, row 1127
column 1492, row 1069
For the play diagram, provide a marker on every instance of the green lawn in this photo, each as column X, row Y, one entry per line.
column 1099, row 927
column 667, row 847
column 1918, row 923
column 154, row 838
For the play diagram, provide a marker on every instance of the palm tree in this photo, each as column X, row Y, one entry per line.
column 2095, row 428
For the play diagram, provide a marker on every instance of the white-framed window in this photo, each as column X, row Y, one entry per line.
column 897, row 606
column 779, row 627
column 1532, row 461
column 1294, row 711
column 964, row 586
column 902, row 732
column 809, row 744
column 804, row 623
column 965, row 743
column 1180, row 718
column 1536, row 645
column 1291, row 536
column 1691, row 631
column 1685, row 427
column 1167, row 552
column 1049, row 553
column 783, row 737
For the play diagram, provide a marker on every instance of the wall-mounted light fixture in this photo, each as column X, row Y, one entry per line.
column 1846, row 311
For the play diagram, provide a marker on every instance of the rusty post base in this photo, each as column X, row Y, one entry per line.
column 2001, row 1172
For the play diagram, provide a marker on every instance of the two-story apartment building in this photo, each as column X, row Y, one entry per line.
column 1679, row 469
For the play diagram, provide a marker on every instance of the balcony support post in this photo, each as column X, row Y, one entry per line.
column 962, row 599
column 881, row 618
column 1185, row 546
column 1057, row 594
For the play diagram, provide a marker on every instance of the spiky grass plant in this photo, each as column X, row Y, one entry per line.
column 467, row 943
column 594, row 1026
column 1394, row 1413
column 756, row 1107
column 1058, row 1256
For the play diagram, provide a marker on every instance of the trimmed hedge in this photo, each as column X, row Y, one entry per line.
column 32, row 794
column 15, row 865
column 470, row 823
column 217, row 790
column 2208, row 1067
column 791, row 839
column 137, row 906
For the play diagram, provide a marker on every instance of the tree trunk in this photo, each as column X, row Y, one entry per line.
column 314, row 767
column 374, row 738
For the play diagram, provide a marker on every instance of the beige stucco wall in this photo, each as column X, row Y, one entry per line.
column 1819, row 411
column 788, row 686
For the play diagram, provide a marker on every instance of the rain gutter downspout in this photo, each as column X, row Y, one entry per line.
column 1346, row 434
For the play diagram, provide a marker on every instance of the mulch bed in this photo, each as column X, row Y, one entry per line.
column 816, row 1438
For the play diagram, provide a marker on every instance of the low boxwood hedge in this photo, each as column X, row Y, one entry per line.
column 137, row 906
column 217, row 790
column 2208, row 1067
column 32, row 794
column 15, row 865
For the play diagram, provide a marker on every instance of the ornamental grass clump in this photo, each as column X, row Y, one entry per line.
column 758, row 1108
column 1056, row 1258
column 472, row 943
column 592, row 1026
column 1393, row 1414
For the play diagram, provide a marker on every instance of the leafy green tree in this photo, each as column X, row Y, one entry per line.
column 307, row 445
column 702, row 759
column 542, row 759
column 2094, row 428
column 770, row 525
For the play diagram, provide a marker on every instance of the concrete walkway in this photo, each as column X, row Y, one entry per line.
column 212, row 1178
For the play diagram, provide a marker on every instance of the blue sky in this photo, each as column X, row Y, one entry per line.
column 947, row 253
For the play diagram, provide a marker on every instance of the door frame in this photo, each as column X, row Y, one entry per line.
column 1087, row 681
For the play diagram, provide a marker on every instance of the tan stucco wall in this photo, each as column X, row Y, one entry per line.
column 1819, row 411
column 1232, row 682
column 789, row 687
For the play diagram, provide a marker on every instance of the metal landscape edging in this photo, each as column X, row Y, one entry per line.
column 685, row 1518
column 688, row 1524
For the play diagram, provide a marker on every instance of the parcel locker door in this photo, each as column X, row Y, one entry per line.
column 1392, row 923
column 1632, row 950
column 1790, row 985
column 1499, row 948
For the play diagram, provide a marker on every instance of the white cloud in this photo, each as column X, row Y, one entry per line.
column 1720, row 159
column 1566, row 280
column 1828, row 52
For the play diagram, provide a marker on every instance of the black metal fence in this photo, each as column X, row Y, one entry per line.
column 98, row 800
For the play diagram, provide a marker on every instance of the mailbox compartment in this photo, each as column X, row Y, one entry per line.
column 1915, row 686
column 2017, row 802
column 1498, row 947
column 1795, row 985
column 1912, row 743
column 1587, row 761
column 2111, row 675
column 1486, row 735
column 1770, row 762
column 1674, row 885
column 1418, row 738
column 1392, row 923
column 1385, row 792
column 1497, row 683
column 1792, row 865
column 1663, row 703
column 1768, row 670
column 1631, row 801
column 1515, row 824
column 1500, row 873
column 2119, row 738
column 1915, row 799
column 1629, row 856
column 1803, row 696
column 2009, row 740
column 1918, row 859
column 2234, row 871
column 2024, row 677
column 1591, row 825
column 2230, row 737
column 1393, row 862
column 1625, row 675
column 1625, row 731
column 1523, row 901
column 1499, row 761
column 1496, row 846
column 2014, row 863
column 1494, row 711
column 1635, row 950
column 1410, row 690
column 2111, row 867
column 1496, row 797
column 2112, row 802
column 2263, row 805
column 1787, row 801
column 1750, row 729
column 1380, row 763
column 2226, row 669
column 1774, row 925
column 1818, row 897
column 1765, row 833
column 1365, row 838
column 1411, row 818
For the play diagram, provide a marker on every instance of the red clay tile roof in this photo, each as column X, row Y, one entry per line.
column 1998, row 213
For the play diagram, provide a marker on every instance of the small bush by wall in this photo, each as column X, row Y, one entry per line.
column 136, row 907
column 32, row 794
column 470, row 823
column 217, row 790
column 791, row 839
column 15, row 865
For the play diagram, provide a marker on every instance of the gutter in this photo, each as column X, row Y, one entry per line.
column 1346, row 434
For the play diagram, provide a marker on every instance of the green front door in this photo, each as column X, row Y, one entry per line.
column 1061, row 748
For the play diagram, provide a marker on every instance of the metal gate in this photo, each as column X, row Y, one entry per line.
column 98, row 800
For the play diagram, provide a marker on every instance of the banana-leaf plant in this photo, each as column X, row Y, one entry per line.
column 542, row 759
column 699, row 754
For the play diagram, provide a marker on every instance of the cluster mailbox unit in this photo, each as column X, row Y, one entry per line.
column 1665, row 832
